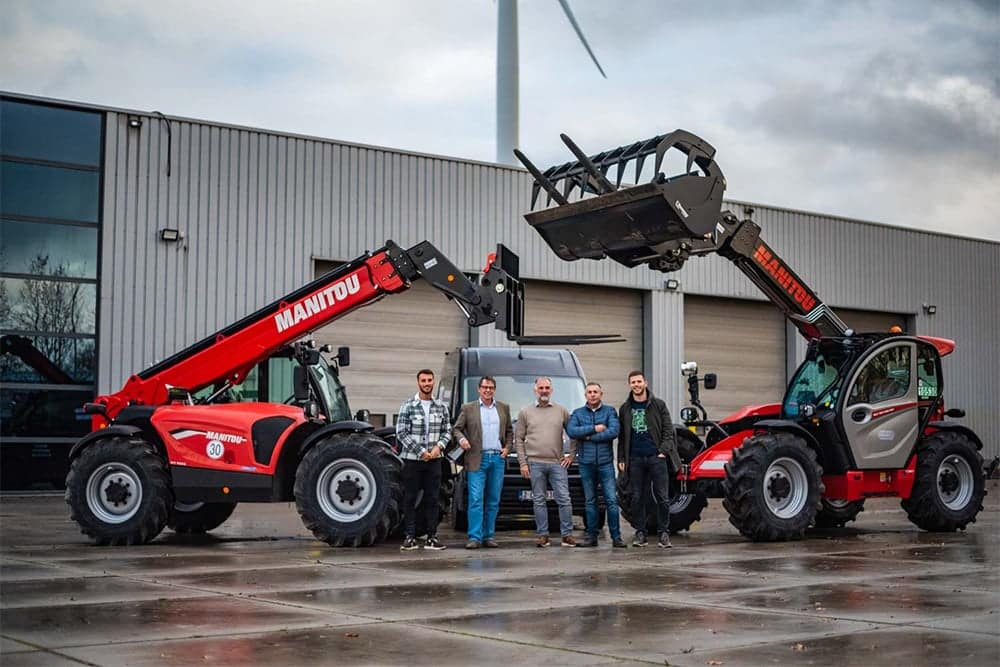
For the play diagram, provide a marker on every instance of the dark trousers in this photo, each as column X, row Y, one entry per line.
column 644, row 472
column 421, row 476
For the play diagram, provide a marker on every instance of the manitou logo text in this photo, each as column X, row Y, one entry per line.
column 225, row 437
column 311, row 306
column 784, row 277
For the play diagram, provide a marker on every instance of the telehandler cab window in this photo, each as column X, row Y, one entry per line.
column 927, row 373
column 816, row 381
column 886, row 376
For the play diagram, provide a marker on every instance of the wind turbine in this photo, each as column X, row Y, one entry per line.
column 507, row 86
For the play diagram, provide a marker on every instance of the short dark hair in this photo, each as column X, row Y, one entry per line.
column 632, row 374
column 425, row 371
column 487, row 378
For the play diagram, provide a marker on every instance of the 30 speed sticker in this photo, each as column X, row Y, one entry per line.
column 214, row 449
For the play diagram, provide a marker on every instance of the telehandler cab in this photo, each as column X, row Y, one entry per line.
column 863, row 416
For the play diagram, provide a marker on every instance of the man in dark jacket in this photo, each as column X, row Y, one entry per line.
column 646, row 442
column 595, row 426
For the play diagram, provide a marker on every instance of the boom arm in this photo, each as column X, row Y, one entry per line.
column 664, row 222
column 231, row 353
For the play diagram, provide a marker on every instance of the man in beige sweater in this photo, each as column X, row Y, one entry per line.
column 544, row 453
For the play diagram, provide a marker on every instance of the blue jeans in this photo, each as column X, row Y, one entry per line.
column 543, row 476
column 488, row 478
column 590, row 473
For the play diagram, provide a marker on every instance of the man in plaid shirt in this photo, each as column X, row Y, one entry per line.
column 423, row 430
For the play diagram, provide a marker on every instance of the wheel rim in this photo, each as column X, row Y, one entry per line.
column 346, row 490
column 114, row 493
column 955, row 482
column 187, row 507
column 786, row 488
column 680, row 502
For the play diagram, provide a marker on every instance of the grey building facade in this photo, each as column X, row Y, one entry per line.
column 258, row 213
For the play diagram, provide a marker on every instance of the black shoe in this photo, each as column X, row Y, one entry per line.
column 640, row 539
column 588, row 542
column 619, row 543
column 409, row 544
column 433, row 544
column 665, row 541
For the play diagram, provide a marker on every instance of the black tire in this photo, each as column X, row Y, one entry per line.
column 198, row 518
column 459, row 504
column 949, row 484
column 348, row 490
column 773, row 487
column 118, row 491
column 837, row 513
column 445, row 494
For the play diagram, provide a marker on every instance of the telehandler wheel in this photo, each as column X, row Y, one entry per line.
column 773, row 487
column 197, row 518
column 685, row 508
column 837, row 513
column 348, row 490
column 950, row 484
column 118, row 491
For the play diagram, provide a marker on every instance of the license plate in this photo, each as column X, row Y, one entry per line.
column 526, row 495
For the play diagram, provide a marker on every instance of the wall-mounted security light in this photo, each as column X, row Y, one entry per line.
column 171, row 235
column 672, row 284
column 929, row 309
column 134, row 122
column 748, row 211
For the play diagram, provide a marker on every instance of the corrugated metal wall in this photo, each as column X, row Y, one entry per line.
column 256, row 207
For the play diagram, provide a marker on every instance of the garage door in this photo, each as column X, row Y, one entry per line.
column 743, row 342
column 390, row 341
column 866, row 321
column 557, row 308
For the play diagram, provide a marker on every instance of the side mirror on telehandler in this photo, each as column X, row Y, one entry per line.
column 343, row 356
column 711, row 381
column 300, row 380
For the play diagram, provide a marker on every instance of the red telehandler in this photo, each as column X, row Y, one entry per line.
column 863, row 416
column 158, row 457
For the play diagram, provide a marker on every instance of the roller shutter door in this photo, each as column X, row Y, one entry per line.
column 867, row 321
column 390, row 341
column 558, row 308
column 743, row 342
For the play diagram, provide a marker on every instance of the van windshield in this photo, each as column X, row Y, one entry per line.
column 519, row 391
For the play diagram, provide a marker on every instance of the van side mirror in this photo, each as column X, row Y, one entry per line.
column 363, row 415
column 343, row 356
column 710, row 380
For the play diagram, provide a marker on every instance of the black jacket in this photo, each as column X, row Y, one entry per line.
column 661, row 428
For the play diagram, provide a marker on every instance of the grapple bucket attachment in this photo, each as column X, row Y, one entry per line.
column 630, row 224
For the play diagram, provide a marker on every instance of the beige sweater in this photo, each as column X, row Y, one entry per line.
column 540, row 432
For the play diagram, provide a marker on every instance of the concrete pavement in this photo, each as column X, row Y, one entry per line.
column 261, row 591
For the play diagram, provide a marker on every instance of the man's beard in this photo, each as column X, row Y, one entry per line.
column 544, row 400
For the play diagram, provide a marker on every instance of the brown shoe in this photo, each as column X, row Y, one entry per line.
column 543, row 541
column 472, row 544
column 568, row 541
column 491, row 544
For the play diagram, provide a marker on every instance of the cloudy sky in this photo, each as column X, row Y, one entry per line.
column 884, row 111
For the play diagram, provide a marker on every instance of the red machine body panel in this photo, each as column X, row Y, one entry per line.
column 219, row 437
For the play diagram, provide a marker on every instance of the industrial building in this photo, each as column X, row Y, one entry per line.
column 129, row 235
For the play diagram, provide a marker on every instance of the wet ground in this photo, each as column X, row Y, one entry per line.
column 261, row 591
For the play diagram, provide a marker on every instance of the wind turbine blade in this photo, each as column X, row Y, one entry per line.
column 579, row 33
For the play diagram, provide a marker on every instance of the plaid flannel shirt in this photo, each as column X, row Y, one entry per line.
column 413, row 435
